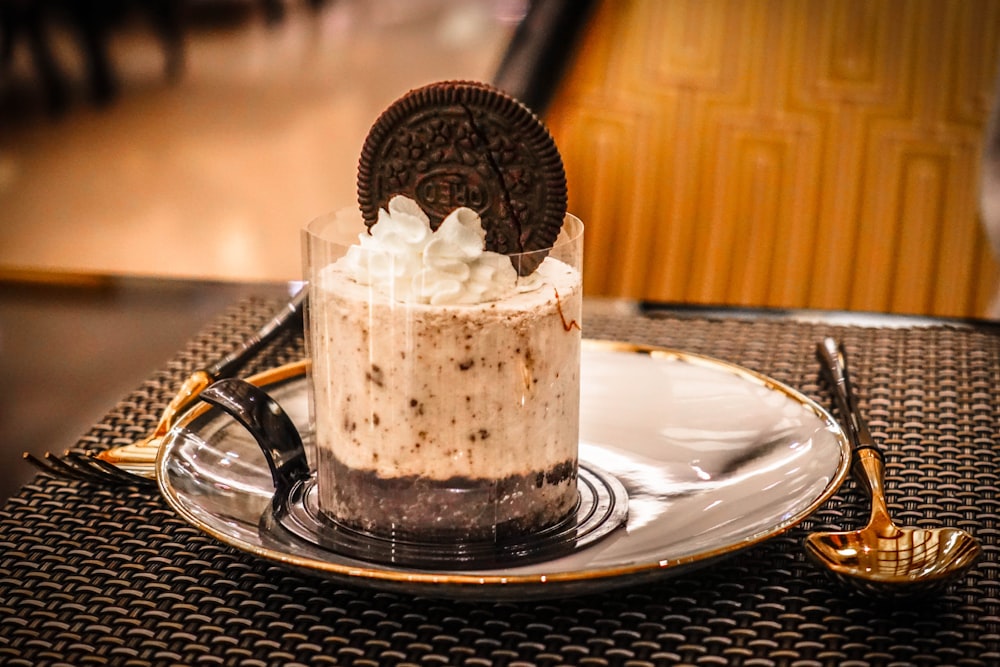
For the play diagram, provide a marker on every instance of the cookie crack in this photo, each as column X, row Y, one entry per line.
column 495, row 167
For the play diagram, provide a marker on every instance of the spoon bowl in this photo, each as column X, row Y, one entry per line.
column 883, row 557
column 913, row 560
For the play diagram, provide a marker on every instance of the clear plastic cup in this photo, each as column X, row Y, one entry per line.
column 444, row 423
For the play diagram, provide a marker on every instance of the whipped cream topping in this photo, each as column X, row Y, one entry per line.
column 402, row 258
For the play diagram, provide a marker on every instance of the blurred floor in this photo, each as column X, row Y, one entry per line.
column 213, row 175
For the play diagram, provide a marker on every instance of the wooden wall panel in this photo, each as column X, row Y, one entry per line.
column 791, row 153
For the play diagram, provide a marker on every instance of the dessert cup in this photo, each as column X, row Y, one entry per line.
column 444, row 423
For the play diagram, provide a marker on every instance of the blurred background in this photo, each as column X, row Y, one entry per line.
column 817, row 153
column 157, row 161
column 810, row 153
column 211, row 141
column 831, row 154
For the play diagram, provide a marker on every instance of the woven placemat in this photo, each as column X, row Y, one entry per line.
column 92, row 575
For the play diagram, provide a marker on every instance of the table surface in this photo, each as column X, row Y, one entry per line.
column 97, row 575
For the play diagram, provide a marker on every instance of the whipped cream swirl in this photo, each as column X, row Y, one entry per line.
column 404, row 259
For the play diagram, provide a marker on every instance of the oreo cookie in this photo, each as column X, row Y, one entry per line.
column 462, row 143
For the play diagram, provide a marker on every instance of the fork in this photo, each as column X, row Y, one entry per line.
column 135, row 463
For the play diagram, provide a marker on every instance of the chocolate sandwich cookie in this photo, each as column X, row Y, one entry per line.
column 460, row 143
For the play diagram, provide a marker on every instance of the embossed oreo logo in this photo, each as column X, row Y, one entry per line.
column 442, row 191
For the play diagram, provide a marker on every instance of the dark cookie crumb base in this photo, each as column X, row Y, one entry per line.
column 456, row 508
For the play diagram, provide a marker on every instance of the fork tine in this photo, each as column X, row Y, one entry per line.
column 75, row 466
column 110, row 474
column 56, row 467
column 41, row 465
column 60, row 463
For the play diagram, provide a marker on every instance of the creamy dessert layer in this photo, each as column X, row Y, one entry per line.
column 496, row 380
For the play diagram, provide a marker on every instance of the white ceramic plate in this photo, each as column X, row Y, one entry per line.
column 715, row 458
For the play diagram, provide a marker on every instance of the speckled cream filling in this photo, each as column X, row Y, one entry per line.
column 475, row 391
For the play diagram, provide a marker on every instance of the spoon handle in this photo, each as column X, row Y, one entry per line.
column 833, row 361
column 869, row 462
column 290, row 315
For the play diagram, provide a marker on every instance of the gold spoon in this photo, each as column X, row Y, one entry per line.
column 882, row 557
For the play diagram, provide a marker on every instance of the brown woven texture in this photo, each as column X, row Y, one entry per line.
column 92, row 575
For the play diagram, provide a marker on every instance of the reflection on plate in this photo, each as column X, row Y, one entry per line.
column 715, row 458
